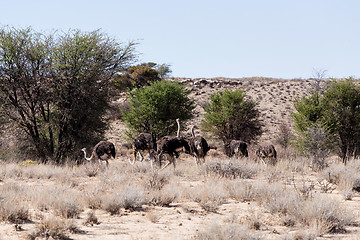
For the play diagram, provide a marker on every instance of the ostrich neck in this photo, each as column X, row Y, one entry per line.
column 178, row 131
column 89, row 159
column 193, row 131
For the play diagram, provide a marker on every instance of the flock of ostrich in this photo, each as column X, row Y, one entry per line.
column 171, row 146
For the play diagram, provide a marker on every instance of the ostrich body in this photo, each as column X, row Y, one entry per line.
column 235, row 147
column 171, row 146
column 266, row 152
column 144, row 141
column 102, row 151
column 198, row 147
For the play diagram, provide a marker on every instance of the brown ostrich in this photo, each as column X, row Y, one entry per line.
column 235, row 148
column 103, row 151
column 171, row 146
column 144, row 141
column 198, row 147
column 267, row 152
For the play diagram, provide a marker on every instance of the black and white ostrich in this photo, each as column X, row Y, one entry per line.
column 144, row 141
column 235, row 148
column 103, row 151
column 171, row 146
column 198, row 147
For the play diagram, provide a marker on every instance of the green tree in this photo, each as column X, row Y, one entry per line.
column 164, row 70
column 155, row 108
column 338, row 111
column 141, row 75
column 231, row 116
column 55, row 87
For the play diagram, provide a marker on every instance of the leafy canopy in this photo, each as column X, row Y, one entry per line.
column 154, row 108
column 55, row 87
column 231, row 116
column 337, row 110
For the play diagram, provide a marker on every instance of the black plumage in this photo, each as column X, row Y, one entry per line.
column 171, row 146
column 266, row 152
column 144, row 141
column 198, row 146
column 103, row 151
column 235, row 147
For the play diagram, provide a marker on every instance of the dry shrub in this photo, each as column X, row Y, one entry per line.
column 14, row 212
column 93, row 196
column 323, row 213
column 13, row 206
column 11, row 170
column 210, row 195
column 64, row 201
column 284, row 135
column 133, row 197
column 157, row 180
column 232, row 170
column 346, row 177
column 130, row 197
column 91, row 219
column 68, row 208
column 301, row 235
column 112, row 203
column 230, row 231
column 91, row 170
column 51, row 227
column 278, row 199
column 242, row 191
column 42, row 171
column 165, row 196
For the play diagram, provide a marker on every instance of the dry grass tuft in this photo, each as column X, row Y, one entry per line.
column 91, row 219
column 130, row 197
column 211, row 195
column 14, row 212
column 230, row 231
column 231, row 169
column 51, row 228
column 157, row 180
column 242, row 191
column 13, row 206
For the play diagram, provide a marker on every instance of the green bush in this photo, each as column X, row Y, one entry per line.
column 337, row 113
column 136, row 76
column 155, row 108
column 231, row 116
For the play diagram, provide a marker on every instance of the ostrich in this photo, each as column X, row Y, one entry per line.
column 266, row 152
column 144, row 141
column 171, row 146
column 235, row 147
column 102, row 151
column 198, row 147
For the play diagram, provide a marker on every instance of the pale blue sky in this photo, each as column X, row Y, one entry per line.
column 225, row 38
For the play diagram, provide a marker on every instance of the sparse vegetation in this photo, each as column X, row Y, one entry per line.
column 221, row 199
